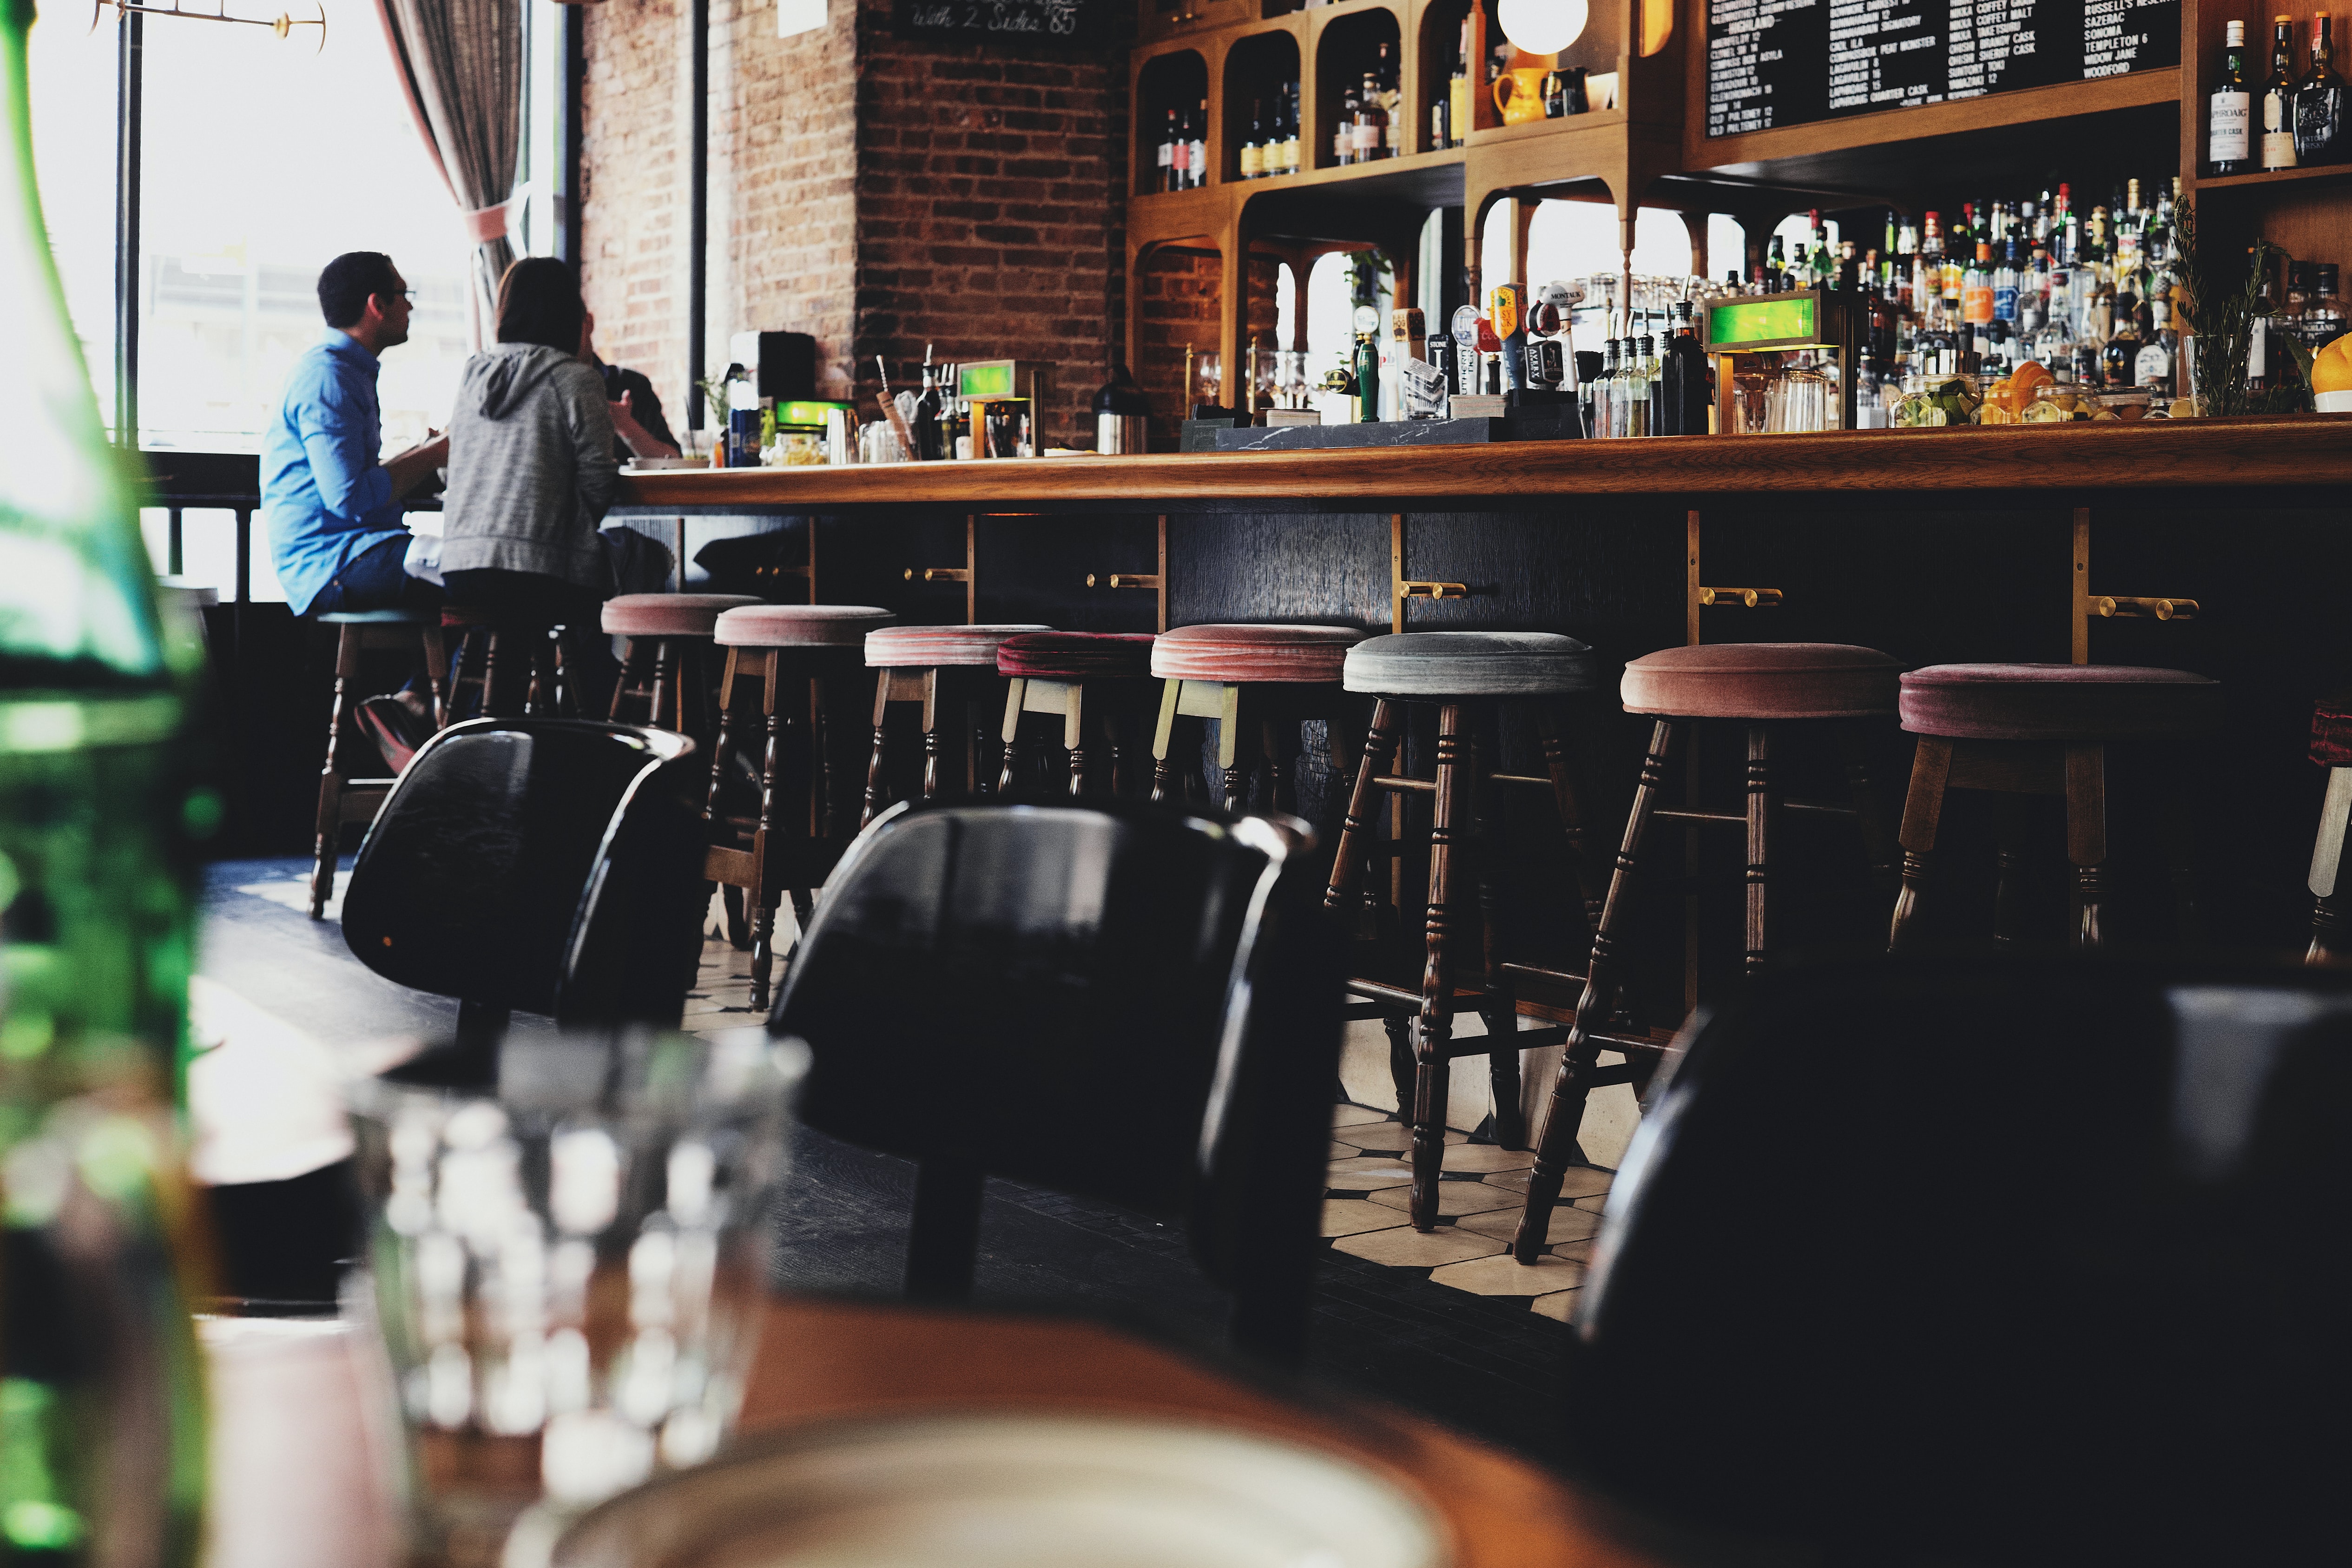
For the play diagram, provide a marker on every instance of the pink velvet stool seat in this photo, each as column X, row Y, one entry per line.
column 803, row 662
column 931, row 669
column 1087, row 680
column 1259, row 683
column 1803, row 689
column 1761, row 681
column 2041, row 730
column 666, row 676
column 2057, row 701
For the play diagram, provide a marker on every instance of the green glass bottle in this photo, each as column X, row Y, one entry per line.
column 101, row 1435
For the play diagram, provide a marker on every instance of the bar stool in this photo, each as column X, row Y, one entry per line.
column 1462, row 672
column 492, row 684
column 341, row 797
column 1051, row 672
column 2039, row 728
column 2331, row 748
column 931, row 665
column 1261, row 680
column 767, row 643
column 675, row 628
column 1764, row 686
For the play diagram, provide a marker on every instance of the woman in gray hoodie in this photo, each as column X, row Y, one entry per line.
column 531, row 473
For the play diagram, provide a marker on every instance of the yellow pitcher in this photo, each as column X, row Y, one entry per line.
column 1518, row 95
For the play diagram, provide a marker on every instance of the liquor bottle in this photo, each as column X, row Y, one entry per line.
column 1167, row 155
column 1371, row 122
column 1645, row 356
column 1196, row 160
column 1343, row 134
column 1776, row 271
column 2158, row 344
column 1392, row 101
column 1458, row 110
column 2119, row 358
column 1180, row 172
column 1604, row 393
column 1976, row 289
column 1253, row 146
column 1824, row 264
column 931, row 445
column 102, row 811
column 2230, row 111
column 2322, row 134
column 1290, row 149
column 2278, row 97
column 1685, row 399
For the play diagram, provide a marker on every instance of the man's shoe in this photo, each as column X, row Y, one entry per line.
column 394, row 728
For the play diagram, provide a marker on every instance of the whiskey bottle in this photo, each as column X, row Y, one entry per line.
column 1167, row 156
column 1458, row 109
column 2278, row 97
column 1253, row 148
column 2321, row 135
column 2228, row 111
column 1343, row 134
column 1371, row 122
column 1291, row 134
column 1197, row 155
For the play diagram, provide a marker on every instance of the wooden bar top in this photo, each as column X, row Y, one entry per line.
column 822, row 1360
column 2306, row 452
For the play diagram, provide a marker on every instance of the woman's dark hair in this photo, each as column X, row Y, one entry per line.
column 350, row 281
column 539, row 303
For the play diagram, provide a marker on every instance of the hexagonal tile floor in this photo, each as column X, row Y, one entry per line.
column 1479, row 1198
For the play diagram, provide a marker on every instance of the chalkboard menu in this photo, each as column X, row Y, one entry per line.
column 1791, row 62
column 1049, row 22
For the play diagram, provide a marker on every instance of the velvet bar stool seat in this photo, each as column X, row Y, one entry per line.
column 2039, row 728
column 792, row 842
column 1767, row 687
column 1052, row 673
column 1259, row 682
column 343, row 798
column 934, row 666
column 665, row 662
column 1467, row 675
column 2331, row 748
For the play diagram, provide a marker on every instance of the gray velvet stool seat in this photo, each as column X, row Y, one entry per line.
column 1468, row 676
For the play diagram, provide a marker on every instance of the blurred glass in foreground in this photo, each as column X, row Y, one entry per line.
column 101, row 1437
column 570, row 1274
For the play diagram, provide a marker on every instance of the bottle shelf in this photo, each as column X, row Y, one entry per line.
column 2317, row 175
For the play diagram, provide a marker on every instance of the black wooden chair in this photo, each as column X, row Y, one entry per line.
column 547, row 865
column 2061, row 1275
column 1134, row 1003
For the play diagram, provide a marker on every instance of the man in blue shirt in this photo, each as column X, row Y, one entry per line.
column 330, row 507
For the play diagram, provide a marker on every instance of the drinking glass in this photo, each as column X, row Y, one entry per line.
column 1208, row 380
column 569, row 1271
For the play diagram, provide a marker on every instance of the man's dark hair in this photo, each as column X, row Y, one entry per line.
column 351, row 281
column 539, row 303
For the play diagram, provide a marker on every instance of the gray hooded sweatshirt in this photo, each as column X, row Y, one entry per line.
column 531, row 468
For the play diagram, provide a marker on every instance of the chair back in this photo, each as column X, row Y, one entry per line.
column 2032, row 1263
column 1132, row 1003
column 549, row 865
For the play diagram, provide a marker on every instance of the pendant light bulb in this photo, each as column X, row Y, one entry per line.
column 1544, row 26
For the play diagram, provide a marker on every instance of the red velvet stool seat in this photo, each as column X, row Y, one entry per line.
column 2331, row 748
column 798, row 833
column 1469, row 676
column 934, row 666
column 1051, row 672
column 1769, row 689
column 1257, row 682
column 2039, row 728
column 665, row 662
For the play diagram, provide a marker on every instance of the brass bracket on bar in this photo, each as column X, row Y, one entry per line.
column 938, row 574
column 2130, row 607
column 1126, row 580
column 1753, row 598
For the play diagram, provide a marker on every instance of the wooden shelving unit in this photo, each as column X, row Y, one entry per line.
column 1647, row 150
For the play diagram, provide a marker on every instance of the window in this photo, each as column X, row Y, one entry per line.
column 73, row 76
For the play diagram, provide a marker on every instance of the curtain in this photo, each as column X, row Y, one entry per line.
column 461, row 63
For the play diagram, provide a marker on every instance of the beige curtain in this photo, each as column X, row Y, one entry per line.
column 461, row 62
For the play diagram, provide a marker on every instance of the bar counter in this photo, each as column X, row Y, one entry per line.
column 2308, row 452
column 2030, row 543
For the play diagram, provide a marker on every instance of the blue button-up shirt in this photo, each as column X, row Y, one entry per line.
column 324, row 496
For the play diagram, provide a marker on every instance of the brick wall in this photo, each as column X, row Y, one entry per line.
column 878, row 193
column 1176, row 293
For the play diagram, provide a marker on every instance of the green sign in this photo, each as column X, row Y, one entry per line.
column 993, row 379
column 1770, row 319
column 808, row 412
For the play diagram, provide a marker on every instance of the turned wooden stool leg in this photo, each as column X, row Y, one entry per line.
column 763, row 920
column 1923, row 812
column 1236, row 753
column 627, row 683
column 1869, row 810
column 1433, row 1030
column 1762, row 803
column 1015, row 689
column 874, row 793
column 329, row 845
column 2331, row 925
column 1363, row 802
column 1498, row 1006
column 1564, row 1117
column 933, row 682
column 436, row 674
column 666, row 693
column 730, row 897
column 2086, row 835
column 1163, row 735
column 1073, row 738
column 1591, row 886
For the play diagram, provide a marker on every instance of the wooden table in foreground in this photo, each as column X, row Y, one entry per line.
column 822, row 1360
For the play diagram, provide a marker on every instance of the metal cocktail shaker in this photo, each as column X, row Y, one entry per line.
column 1122, row 414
